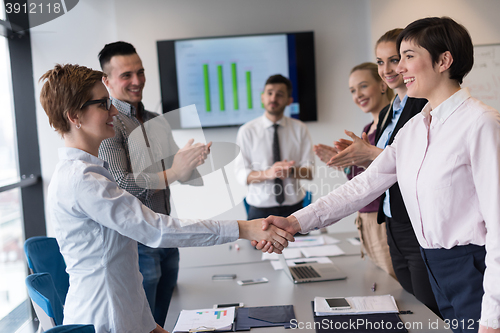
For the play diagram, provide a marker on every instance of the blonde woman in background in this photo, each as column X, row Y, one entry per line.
column 371, row 95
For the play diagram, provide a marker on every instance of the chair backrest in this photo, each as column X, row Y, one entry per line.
column 247, row 206
column 72, row 329
column 46, row 301
column 43, row 255
column 307, row 199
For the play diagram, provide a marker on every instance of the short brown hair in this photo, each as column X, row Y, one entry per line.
column 278, row 78
column 66, row 89
column 373, row 69
column 438, row 35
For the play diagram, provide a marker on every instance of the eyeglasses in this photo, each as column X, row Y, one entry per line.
column 105, row 101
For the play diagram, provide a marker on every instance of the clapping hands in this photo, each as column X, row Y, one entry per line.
column 357, row 152
column 187, row 159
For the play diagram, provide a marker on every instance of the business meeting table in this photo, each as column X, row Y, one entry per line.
column 197, row 290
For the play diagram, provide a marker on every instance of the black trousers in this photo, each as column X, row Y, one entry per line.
column 407, row 262
column 456, row 276
column 258, row 213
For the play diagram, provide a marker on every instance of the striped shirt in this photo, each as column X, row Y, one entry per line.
column 117, row 152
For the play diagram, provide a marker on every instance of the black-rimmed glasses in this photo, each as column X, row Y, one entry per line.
column 105, row 101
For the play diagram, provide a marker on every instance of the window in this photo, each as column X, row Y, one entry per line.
column 12, row 262
column 19, row 173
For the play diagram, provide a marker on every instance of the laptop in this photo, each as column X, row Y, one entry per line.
column 312, row 272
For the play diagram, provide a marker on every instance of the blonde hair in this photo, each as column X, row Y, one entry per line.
column 389, row 36
column 66, row 89
column 373, row 69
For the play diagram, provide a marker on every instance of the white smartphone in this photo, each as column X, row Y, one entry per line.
column 338, row 303
column 252, row 281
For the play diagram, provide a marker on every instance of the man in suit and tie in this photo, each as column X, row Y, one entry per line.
column 276, row 152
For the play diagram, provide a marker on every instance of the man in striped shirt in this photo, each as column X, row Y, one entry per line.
column 125, row 79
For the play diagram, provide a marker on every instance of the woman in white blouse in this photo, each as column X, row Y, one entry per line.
column 97, row 224
column 447, row 162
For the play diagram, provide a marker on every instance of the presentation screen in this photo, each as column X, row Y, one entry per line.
column 224, row 77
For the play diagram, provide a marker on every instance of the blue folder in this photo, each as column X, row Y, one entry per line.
column 264, row 316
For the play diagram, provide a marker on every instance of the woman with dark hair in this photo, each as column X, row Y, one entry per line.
column 443, row 159
column 97, row 224
column 404, row 249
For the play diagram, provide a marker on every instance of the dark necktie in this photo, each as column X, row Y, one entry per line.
column 278, row 183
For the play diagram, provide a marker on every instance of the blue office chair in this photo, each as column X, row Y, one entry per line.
column 72, row 329
column 307, row 201
column 46, row 301
column 43, row 255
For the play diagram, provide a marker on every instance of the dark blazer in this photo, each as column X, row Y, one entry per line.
column 412, row 107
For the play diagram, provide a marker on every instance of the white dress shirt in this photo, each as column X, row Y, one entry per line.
column 97, row 225
column 448, row 169
column 255, row 140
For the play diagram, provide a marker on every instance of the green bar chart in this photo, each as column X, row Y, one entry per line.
column 220, row 81
column 206, row 83
column 219, row 90
column 224, row 77
column 248, row 77
column 234, row 77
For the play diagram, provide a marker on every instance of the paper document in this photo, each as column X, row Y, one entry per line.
column 354, row 241
column 330, row 240
column 305, row 241
column 359, row 305
column 288, row 253
column 221, row 319
column 322, row 251
column 293, row 262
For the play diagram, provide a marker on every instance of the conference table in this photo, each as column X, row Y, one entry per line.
column 196, row 289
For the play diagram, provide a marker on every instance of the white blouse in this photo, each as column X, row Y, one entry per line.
column 447, row 163
column 97, row 226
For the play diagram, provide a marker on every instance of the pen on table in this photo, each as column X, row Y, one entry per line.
column 304, row 262
column 374, row 287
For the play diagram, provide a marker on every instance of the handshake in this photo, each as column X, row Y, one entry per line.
column 271, row 234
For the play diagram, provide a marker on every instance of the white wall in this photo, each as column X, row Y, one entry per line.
column 341, row 36
column 480, row 17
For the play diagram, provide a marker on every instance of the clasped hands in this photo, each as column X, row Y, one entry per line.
column 280, row 169
column 274, row 232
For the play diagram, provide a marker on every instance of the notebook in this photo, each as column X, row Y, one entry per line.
column 312, row 272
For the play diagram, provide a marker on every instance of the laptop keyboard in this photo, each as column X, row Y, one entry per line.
column 305, row 272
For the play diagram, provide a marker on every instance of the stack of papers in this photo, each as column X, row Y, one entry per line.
column 359, row 305
column 308, row 246
column 307, row 241
column 319, row 251
column 221, row 319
